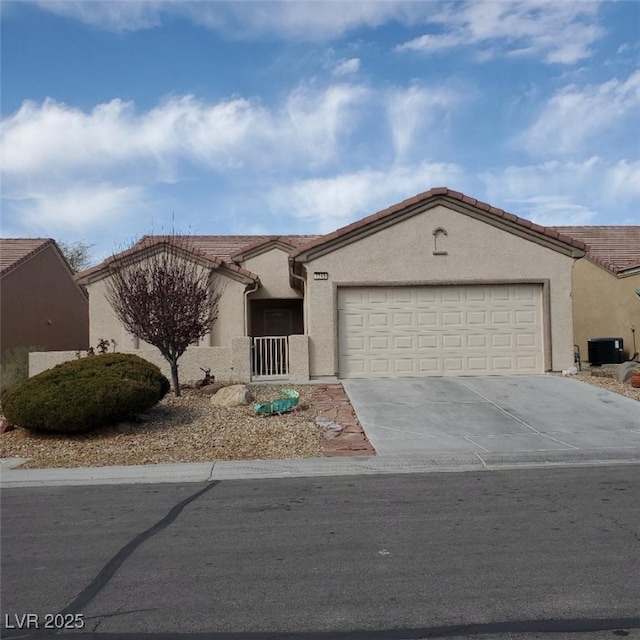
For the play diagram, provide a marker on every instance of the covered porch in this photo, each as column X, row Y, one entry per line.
column 272, row 321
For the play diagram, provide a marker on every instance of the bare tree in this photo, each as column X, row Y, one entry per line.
column 78, row 254
column 165, row 295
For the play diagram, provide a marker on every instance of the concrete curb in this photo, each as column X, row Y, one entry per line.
column 305, row 467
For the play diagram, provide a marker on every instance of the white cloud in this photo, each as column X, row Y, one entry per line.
column 307, row 21
column 73, row 208
column 115, row 16
column 340, row 199
column 66, row 167
column 415, row 110
column 560, row 32
column 53, row 138
column 574, row 115
column 567, row 193
column 347, row 67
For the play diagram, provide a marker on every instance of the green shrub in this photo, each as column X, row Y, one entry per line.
column 14, row 367
column 81, row 395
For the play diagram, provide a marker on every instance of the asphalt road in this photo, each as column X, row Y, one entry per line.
column 538, row 553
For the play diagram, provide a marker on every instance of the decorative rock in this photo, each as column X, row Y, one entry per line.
column 234, row 396
column 624, row 371
column 5, row 425
column 331, row 428
column 211, row 389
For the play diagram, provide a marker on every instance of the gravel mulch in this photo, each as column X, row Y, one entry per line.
column 190, row 429
column 603, row 377
column 185, row 429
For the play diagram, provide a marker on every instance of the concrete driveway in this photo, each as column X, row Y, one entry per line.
column 490, row 417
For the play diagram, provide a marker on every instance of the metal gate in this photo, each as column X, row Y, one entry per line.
column 270, row 357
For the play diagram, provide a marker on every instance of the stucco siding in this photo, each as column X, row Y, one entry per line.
column 476, row 252
column 102, row 320
column 231, row 314
column 105, row 325
column 230, row 363
column 42, row 306
column 604, row 306
column 272, row 268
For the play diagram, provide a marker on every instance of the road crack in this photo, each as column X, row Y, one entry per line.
column 111, row 567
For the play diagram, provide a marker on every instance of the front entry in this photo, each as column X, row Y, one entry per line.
column 277, row 322
column 272, row 321
column 275, row 317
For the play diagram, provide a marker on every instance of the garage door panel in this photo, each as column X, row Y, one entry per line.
column 427, row 342
column 527, row 340
column 453, row 365
column 525, row 317
column 378, row 296
column 403, row 320
column 477, row 318
column 355, row 344
column 501, row 341
column 380, row 365
column 526, row 363
column 500, row 317
column 452, row 341
column 404, row 343
column 379, row 343
column 442, row 330
column 501, row 364
column 427, row 320
column 402, row 296
column 352, row 319
column 500, row 294
column 477, row 341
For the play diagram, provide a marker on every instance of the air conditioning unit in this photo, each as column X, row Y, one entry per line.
column 605, row 351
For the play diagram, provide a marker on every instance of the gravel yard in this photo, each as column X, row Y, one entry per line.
column 190, row 429
column 602, row 377
column 185, row 429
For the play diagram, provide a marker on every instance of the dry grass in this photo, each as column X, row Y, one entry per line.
column 185, row 429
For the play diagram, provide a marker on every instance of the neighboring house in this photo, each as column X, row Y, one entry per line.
column 439, row 284
column 41, row 305
column 605, row 303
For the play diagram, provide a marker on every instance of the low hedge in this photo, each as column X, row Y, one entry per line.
column 84, row 394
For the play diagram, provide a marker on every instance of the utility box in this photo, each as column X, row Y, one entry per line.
column 605, row 351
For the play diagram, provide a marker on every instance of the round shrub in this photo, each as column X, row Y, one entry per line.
column 84, row 394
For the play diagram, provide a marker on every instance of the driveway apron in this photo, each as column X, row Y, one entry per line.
column 492, row 415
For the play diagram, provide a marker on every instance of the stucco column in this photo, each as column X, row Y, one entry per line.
column 241, row 359
column 299, row 358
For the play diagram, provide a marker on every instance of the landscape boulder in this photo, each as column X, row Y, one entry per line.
column 211, row 389
column 234, row 396
column 623, row 372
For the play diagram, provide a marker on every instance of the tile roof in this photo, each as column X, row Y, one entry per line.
column 226, row 247
column 218, row 249
column 432, row 194
column 293, row 242
column 615, row 248
column 15, row 251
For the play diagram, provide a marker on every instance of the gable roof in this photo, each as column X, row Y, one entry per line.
column 16, row 251
column 615, row 248
column 262, row 245
column 453, row 199
column 218, row 250
column 227, row 247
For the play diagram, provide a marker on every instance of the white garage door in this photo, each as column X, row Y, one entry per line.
column 440, row 330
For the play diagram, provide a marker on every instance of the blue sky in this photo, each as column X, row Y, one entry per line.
column 125, row 118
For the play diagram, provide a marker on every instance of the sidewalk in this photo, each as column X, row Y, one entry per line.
column 303, row 467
